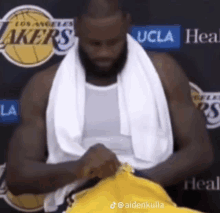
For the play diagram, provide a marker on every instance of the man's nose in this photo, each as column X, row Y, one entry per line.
column 105, row 52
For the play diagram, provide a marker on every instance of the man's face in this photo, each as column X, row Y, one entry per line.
column 103, row 40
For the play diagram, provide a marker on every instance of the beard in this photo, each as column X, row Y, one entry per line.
column 92, row 70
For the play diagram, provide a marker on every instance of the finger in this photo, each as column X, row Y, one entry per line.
column 104, row 170
column 87, row 171
column 92, row 174
column 118, row 166
column 112, row 168
column 101, row 173
column 117, row 163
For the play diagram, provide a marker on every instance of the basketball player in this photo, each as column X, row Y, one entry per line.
column 103, row 49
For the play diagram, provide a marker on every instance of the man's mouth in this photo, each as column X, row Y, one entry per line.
column 103, row 63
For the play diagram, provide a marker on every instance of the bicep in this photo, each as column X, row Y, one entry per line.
column 189, row 125
column 27, row 142
column 29, row 139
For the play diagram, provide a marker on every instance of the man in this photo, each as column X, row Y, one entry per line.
column 103, row 48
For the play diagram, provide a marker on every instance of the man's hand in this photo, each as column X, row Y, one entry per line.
column 98, row 161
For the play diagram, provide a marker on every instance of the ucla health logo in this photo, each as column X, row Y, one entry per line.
column 158, row 37
column 9, row 111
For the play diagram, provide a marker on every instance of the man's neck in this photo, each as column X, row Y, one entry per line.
column 92, row 78
column 101, row 81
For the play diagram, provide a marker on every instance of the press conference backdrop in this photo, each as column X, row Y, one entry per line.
column 35, row 34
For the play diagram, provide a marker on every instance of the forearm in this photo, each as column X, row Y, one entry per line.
column 40, row 178
column 187, row 162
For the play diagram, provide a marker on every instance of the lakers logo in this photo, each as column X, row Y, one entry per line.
column 209, row 103
column 30, row 36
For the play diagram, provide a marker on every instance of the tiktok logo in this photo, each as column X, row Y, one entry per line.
column 112, row 206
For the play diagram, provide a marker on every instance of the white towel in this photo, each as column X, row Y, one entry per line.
column 142, row 103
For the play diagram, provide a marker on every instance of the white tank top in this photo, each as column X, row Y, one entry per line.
column 102, row 121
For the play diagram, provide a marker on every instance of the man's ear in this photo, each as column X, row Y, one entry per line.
column 128, row 20
column 76, row 26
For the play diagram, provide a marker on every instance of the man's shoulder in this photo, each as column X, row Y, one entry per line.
column 159, row 56
column 47, row 75
column 43, row 80
column 163, row 64
column 172, row 76
column 38, row 88
column 161, row 61
column 151, row 53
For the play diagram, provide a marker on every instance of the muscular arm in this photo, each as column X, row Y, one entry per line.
column 195, row 150
column 27, row 171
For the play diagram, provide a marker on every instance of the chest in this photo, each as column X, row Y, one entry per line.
column 101, row 111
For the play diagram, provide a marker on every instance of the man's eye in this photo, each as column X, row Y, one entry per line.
column 95, row 43
column 113, row 42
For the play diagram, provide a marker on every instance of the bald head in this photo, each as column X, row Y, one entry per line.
column 102, row 8
column 99, row 9
column 100, row 12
